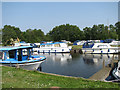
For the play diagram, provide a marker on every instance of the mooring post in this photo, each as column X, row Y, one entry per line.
column 103, row 63
column 112, row 63
column 17, row 66
column 74, row 51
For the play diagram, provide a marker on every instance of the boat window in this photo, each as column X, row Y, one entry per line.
column 42, row 45
column 24, row 52
column 87, row 44
column 119, row 68
column 57, row 45
column 11, row 53
column 7, row 55
column 48, row 45
column 1, row 55
column 102, row 46
column 38, row 46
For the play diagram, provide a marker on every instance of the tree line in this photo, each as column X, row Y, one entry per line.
column 61, row 32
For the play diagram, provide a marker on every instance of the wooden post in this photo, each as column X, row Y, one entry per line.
column 103, row 63
column 112, row 63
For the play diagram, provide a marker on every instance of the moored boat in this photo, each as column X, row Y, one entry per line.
column 116, row 71
column 15, row 56
column 99, row 48
column 56, row 47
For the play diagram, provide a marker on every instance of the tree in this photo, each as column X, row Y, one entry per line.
column 33, row 36
column 66, row 32
column 9, row 32
column 117, row 26
column 87, row 33
column 112, row 32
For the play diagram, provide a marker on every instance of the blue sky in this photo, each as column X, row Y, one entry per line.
column 47, row 15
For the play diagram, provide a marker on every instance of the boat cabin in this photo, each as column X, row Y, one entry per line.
column 54, row 45
column 16, row 53
column 88, row 44
column 96, row 45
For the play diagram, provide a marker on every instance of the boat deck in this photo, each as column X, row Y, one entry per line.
column 102, row 74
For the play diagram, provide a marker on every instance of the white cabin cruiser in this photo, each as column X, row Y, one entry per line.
column 56, row 47
column 99, row 48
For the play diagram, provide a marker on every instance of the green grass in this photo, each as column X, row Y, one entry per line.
column 115, row 45
column 19, row 78
column 76, row 46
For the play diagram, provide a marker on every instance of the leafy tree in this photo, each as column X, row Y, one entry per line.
column 112, row 32
column 66, row 32
column 117, row 25
column 9, row 32
column 33, row 36
column 87, row 33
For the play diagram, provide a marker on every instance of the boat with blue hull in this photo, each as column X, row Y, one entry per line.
column 15, row 56
column 99, row 48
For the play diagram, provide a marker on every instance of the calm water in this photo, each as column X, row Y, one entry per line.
column 78, row 65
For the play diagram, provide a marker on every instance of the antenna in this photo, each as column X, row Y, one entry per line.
column 108, row 25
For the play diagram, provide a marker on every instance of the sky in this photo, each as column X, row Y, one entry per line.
column 119, row 11
column 47, row 15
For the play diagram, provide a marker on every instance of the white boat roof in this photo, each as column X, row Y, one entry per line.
column 13, row 48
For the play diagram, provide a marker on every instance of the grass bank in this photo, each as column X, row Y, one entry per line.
column 19, row 78
column 76, row 47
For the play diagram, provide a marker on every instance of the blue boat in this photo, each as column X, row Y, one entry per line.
column 17, row 56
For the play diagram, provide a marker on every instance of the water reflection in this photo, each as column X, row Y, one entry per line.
column 79, row 65
column 98, row 58
column 59, row 57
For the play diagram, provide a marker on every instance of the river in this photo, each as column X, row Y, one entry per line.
column 75, row 64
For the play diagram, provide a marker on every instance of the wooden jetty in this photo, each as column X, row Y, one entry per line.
column 102, row 74
column 105, row 71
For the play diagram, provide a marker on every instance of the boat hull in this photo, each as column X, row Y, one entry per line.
column 116, row 73
column 52, row 50
column 100, row 51
column 28, row 66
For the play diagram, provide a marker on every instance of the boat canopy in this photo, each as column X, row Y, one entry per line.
column 14, row 48
column 51, row 43
column 75, row 42
column 15, row 53
column 88, row 44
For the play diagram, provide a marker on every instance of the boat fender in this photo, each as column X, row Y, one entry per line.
column 85, row 52
column 93, row 50
column 101, row 51
column 55, row 51
column 38, row 51
column 40, row 57
column 62, row 49
column 49, row 51
column 108, row 50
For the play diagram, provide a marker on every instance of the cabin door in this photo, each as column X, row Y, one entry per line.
column 19, row 55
